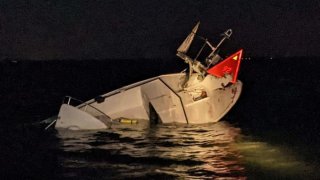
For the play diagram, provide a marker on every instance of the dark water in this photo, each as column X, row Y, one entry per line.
column 272, row 132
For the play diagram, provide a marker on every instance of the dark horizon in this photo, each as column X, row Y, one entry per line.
column 37, row 30
column 245, row 58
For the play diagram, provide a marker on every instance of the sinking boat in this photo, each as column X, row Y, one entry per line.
column 204, row 93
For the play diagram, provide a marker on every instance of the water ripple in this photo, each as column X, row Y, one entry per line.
column 174, row 151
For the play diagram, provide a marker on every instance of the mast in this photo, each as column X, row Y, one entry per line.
column 194, row 64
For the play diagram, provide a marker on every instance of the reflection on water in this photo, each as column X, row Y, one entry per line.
column 174, row 151
column 270, row 162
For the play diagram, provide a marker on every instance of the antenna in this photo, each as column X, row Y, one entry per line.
column 226, row 35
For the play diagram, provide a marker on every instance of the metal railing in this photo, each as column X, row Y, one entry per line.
column 148, row 81
column 88, row 108
column 83, row 105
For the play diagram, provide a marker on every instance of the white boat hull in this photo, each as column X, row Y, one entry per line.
column 203, row 95
column 203, row 101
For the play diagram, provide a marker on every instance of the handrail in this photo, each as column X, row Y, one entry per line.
column 148, row 81
column 83, row 104
column 125, row 88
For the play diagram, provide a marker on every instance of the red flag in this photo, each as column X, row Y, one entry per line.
column 228, row 66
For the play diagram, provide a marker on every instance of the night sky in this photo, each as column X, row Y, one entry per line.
column 74, row 29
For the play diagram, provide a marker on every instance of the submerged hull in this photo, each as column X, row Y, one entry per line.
column 202, row 95
column 161, row 99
